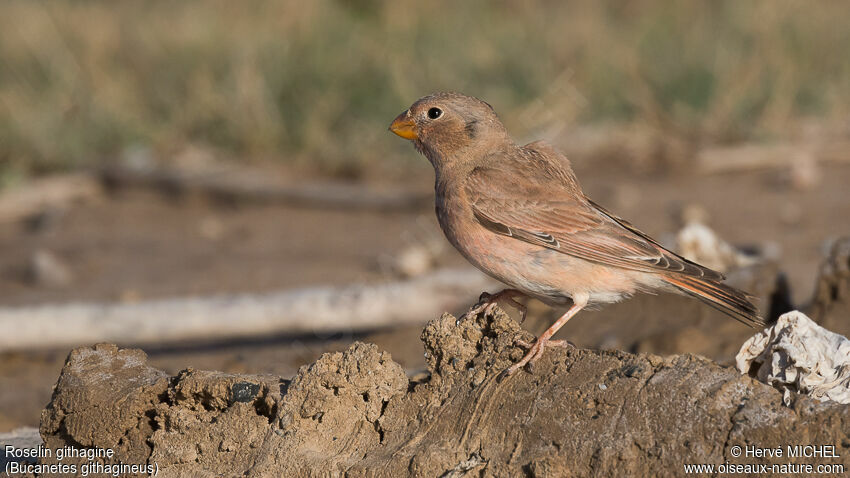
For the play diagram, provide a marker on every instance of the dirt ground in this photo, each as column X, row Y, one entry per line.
column 140, row 245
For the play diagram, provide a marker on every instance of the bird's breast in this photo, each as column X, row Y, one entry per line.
column 481, row 247
column 449, row 215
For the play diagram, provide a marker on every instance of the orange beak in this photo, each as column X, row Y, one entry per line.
column 404, row 126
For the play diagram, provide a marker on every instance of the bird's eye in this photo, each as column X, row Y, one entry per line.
column 435, row 113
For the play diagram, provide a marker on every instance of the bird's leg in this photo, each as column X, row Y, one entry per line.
column 535, row 350
column 488, row 301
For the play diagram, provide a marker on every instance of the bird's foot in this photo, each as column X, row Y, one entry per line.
column 535, row 351
column 488, row 302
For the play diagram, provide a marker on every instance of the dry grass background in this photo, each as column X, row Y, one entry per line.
column 314, row 84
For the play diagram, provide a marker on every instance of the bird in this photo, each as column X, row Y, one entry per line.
column 518, row 214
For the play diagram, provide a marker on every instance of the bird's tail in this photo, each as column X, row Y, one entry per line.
column 735, row 303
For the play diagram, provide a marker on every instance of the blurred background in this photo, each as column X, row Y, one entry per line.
column 153, row 150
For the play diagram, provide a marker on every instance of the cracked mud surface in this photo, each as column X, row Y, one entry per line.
column 355, row 413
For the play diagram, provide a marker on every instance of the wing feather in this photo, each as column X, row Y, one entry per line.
column 539, row 201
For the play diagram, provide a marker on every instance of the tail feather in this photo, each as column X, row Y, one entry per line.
column 724, row 298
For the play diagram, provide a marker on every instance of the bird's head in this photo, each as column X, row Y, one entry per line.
column 450, row 127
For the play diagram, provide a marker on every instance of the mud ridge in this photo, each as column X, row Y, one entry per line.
column 355, row 413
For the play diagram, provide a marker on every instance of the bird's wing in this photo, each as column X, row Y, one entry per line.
column 537, row 200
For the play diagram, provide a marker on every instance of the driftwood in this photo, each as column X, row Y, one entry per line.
column 46, row 193
column 748, row 157
column 27, row 437
column 237, row 184
column 301, row 311
column 218, row 181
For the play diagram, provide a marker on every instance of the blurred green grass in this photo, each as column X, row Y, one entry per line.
column 314, row 84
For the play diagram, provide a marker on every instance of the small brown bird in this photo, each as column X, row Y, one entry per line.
column 519, row 214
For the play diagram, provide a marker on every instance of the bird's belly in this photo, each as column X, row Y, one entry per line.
column 546, row 274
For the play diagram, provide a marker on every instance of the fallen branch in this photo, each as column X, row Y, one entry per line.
column 301, row 311
column 749, row 157
column 248, row 185
column 45, row 193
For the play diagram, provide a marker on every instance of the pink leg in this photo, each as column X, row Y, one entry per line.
column 487, row 302
column 536, row 351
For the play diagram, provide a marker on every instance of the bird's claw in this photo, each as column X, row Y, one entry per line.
column 535, row 351
column 485, row 306
column 523, row 343
column 487, row 302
